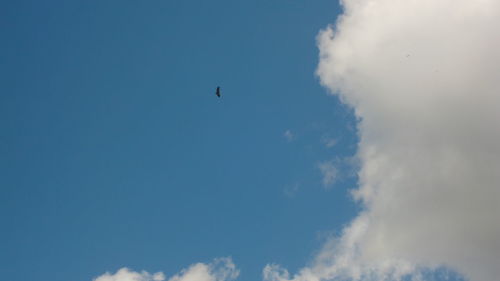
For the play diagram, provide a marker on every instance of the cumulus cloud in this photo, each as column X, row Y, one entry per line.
column 125, row 274
column 329, row 172
column 423, row 79
column 222, row 269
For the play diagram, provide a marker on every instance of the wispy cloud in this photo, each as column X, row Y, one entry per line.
column 291, row 190
column 289, row 136
column 329, row 173
column 328, row 141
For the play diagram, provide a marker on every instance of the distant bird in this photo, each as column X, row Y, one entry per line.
column 217, row 92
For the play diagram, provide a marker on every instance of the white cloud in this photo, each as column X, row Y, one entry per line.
column 222, row 269
column 429, row 150
column 126, row 274
column 329, row 172
column 289, row 136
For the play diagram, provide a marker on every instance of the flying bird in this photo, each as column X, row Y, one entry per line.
column 217, row 92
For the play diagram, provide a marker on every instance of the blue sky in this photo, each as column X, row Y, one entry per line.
column 115, row 151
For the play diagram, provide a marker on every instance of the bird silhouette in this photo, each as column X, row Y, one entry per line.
column 217, row 92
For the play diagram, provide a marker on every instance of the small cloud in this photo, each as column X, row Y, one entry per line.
column 329, row 172
column 221, row 269
column 329, row 142
column 289, row 135
column 125, row 274
column 291, row 190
